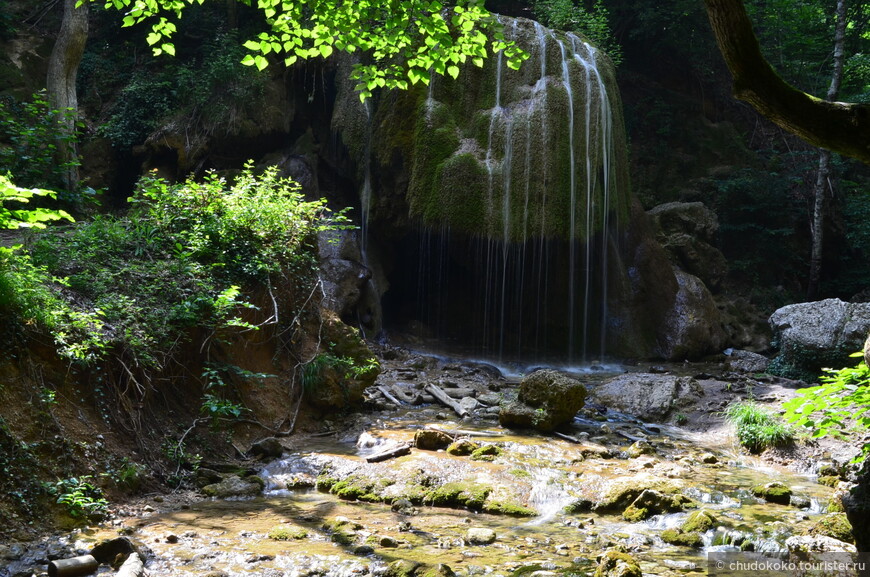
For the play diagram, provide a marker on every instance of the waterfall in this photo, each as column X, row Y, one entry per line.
column 509, row 193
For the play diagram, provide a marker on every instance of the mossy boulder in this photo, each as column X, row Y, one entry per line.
column 699, row 522
column 287, row 533
column 462, row 447
column 485, row 453
column 341, row 530
column 651, row 502
column 402, row 568
column 508, row 508
column 834, row 525
column 682, row 538
column 774, row 492
column 235, row 486
column 619, row 493
column 458, row 494
column 639, row 448
column 480, row 536
column 432, row 439
column 617, row 564
column 546, row 400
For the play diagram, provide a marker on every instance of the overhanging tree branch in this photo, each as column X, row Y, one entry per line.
column 841, row 127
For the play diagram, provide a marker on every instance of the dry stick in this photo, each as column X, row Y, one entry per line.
column 389, row 396
column 566, row 437
column 446, row 400
column 390, row 453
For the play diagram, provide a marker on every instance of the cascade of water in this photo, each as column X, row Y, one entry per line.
column 531, row 264
column 572, row 235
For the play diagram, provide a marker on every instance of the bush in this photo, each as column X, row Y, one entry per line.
column 133, row 285
column 835, row 407
column 757, row 429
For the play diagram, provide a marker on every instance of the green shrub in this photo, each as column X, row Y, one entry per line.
column 81, row 498
column 134, row 284
column 30, row 134
column 835, row 407
column 757, row 429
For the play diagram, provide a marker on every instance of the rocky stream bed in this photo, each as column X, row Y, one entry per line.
column 471, row 497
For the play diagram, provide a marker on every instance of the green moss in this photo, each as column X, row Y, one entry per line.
column 521, row 473
column 678, row 537
column 615, row 563
column 835, row 525
column 486, row 453
column 359, row 488
column 774, row 492
column 699, row 522
column 341, row 530
column 462, row 448
column 287, row 532
column 402, row 568
column 510, row 509
column 459, row 494
column 829, row 480
column 579, row 506
column 325, row 482
column 634, row 514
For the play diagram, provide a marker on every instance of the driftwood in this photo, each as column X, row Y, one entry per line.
column 82, row 565
column 132, row 567
column 445, row 399
column 390, row 453
column 568, row 438
column 389, row 396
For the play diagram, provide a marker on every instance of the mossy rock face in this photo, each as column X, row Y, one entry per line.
column 774, row 492
column 829, row 480
column 639, row 448
column 462, row 448
column 834, row 525
column 699, row 522
column 617, row 564
column 620, row 493
column 681, row 538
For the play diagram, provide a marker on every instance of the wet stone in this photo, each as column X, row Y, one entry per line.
column 480, row 536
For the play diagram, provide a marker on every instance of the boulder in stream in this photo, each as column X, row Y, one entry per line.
column 648, row 396
column 617, row 564
column 817, row 334
column 235, row 486
column 546, row 400
column 774, row 492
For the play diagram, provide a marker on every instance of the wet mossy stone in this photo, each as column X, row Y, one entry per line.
column 458, row 494
column 510, row 509
column 402, row 568
column 341, row 529
column 828, row 480
column 480, row 536
column 287, row 533
column 440, row 570
column 617, row 564
column 621, row 492
column 651, row 502
column 834, row 525
column 235, row 486
column 462, row 447
column 774, row 492
column 639, row 448
column 485, row 453
column 432, row 440
column 546, row 400
column 699, row 522
column 681, row 538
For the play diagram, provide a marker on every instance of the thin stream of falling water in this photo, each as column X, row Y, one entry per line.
column 572, row 257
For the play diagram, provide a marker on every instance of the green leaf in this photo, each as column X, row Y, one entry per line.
column 453, row 71
column 325, row 50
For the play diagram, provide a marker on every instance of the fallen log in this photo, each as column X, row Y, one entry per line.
column 445, row 399
column 73, row 567
column 389, row 396
column 390, row 453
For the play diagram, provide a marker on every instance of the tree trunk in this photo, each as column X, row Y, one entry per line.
column 838, row 126
column 63, row 67
column 823, row 181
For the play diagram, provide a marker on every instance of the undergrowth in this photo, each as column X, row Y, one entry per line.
column 756, row 428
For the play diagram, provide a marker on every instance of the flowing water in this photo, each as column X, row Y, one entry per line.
column 232, row 536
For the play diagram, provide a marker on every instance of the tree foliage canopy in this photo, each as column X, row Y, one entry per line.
column 403, row 41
